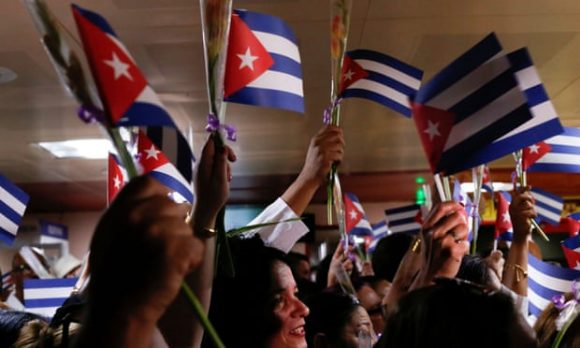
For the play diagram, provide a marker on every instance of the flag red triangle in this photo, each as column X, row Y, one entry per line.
column 116, row 180
column 247, row 58
column 532, row 154
column 352, row 214
column 351, row 72
column 433, row 126
column 150, row 157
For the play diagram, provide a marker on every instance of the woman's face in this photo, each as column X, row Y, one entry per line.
column 288, row 309
column 359, row 325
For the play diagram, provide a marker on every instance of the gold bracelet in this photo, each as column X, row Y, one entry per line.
column 206, row 232
column 520, row 271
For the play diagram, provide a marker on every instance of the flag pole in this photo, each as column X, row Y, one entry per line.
column 522, row 181
column 477, row 178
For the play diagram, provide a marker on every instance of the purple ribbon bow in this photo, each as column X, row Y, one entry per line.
column 327, row 116
column 90, row 114
column 213, row 124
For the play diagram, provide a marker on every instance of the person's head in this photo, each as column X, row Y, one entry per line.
column 258, row 307
column 67, row 266
column 455, row 313
column 336, row 321
column 475, row 269
column 27, row 264
column 299, row 264
column 11, row 322
column 388, row 254
column 545, row 326
column 370, row 301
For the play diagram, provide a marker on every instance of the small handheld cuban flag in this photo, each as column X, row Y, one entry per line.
column 116, row 177
column 380, row 230
column 503, row 222
column 548, row 206
column 404, row 219
column 53, row 233
column 486, row 182
column 263, row 63
column 564, row 156
column 127, row 97
column 156, row 165
column 544, row 123
column 13, row 202
column 533, row 153
column 571, row 248
column 470, row 103
column 357, row 223
column 45, row 296
column 378, row 77
column 546, row 281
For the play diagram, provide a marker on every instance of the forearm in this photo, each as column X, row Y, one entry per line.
column 299, row 194
column 516, row 266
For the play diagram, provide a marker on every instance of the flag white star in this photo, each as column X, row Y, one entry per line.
column 432, row 130
column 353, row 214
column 152, row 152
column 506, row 217
column 348, row 75
column 534, row 148
column 247, row 60
column 117, row 182
column 120, row 68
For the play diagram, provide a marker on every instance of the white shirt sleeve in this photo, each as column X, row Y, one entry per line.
column 281, row 236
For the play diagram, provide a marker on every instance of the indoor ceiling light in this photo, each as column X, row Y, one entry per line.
column 80, row 148
column 7, row 75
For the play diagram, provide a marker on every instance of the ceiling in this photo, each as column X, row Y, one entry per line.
column 165, row 40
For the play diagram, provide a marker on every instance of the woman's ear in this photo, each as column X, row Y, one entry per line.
column 320, row 341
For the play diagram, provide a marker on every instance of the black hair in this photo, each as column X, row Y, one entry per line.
column 452, row 314
column 330, row 311
column 389, row 253
column 475, row 269
column 242, row 306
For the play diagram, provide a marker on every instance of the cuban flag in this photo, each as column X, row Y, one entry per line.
column 357, row 223
column 380, row 230
column 263, row 63
column 546, row 281
column 127, row 97
column 548, row 206
column 155, row 164
column 117, row 178
column 45, row 296
column 486, row 182
column 381, row 78
column 404, row 219
column 533, row 153
column 7, row 282
column 13, row 202
column 564, row 157
column 460, row 196
column 544, row 123
column 175, row 147
column 503, row 222
column 54, row 233
column 571, row 248
column 469, row 104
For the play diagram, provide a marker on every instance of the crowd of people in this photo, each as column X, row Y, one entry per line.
column 416, row 291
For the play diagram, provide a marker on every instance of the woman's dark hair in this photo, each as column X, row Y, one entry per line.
column 389, row 253
column 330, row 311
column 475, row 269
column 451, row 314
column 10, row 324
column 242, row 306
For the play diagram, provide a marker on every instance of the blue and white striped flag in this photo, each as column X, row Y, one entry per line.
column 548, row 206
column 263, row 65
column 546, row 281
column 52, row 232
column 7, row 282
column 469, row 104
column 404, row 219
column 380, row 78
column 45, row 296
column 380, row 230
column 544, row 123
column 564, row 156
column 13, row 202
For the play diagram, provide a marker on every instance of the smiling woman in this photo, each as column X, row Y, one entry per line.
column 259, row 306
